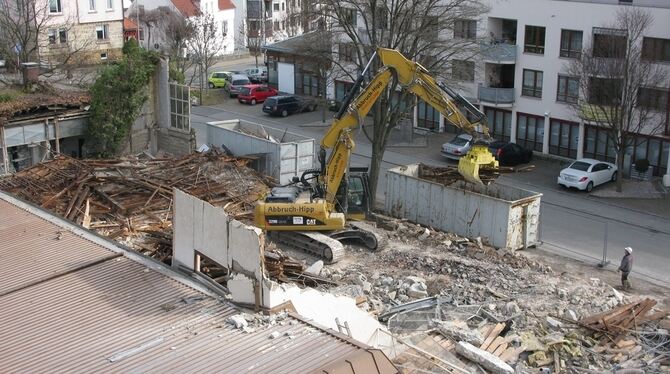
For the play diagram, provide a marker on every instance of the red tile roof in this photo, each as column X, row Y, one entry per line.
column 187, row 7
column 226, row 4
column 129, row 24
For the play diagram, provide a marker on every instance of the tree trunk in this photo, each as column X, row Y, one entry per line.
column 256, row 57
column 619, row 174
column 375, row 171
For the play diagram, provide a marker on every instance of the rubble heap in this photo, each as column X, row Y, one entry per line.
column 130, row 199
column 504, row 307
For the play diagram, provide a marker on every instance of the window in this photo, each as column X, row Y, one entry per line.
column 499, row 122
column 346, row 51
column 381, row 18
column 101, row 32
column 465, row 29
column 431, row 27
column 276, row 25
column 571, row 43
column 103, row 56
column 427, row 117
column 349, row 16
column 52, row 36
column 310, row 85
column 141, row 34
column 534, row 40
column 224, row 28
column 609, row 43
column 568, row 89
column 341, row 90
column 463, row 70
column 275, row 7
column 604, row 91
column 532, row 83
column 563, row 138
column 55, row 6
column 530, row 131
column 655, row 49
column 653, row 98
column 62, row 36
column 91, row 5
column 110, row 4
column 283, row 6
column 598, row 145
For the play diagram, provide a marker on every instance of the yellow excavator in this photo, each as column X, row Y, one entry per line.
column 312, row 213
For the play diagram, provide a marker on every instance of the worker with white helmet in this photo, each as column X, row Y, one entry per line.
column 626, row 267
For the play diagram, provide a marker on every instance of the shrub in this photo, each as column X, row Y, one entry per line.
column 642, row 165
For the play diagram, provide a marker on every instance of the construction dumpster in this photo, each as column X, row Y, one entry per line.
column 503, row 216
column 278, row 153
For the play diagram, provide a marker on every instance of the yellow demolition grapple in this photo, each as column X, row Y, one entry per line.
column 479, row 158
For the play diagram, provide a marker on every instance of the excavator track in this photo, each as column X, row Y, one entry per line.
column 312, row 242
column 327, row 245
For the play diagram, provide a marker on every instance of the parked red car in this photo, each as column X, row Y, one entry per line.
column 255, row 93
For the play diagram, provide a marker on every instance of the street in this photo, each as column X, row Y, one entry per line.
column 573, row 223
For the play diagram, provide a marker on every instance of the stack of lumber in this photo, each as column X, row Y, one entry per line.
column 499, row 346
column 616, row 323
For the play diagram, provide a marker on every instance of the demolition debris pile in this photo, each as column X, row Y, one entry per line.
column 461, row 301
column 130, row 199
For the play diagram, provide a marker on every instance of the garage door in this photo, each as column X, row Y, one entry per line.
column 286, row 76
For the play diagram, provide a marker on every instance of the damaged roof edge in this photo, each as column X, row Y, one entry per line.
column 107, row 244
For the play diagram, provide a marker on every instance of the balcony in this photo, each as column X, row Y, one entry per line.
column 499, row 53
column 499, row 97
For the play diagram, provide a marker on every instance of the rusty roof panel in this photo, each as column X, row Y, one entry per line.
column 70, row 307
column 31, row 251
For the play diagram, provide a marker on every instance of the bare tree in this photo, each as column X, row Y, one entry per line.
column 613, row 75
column 205, row 44
column 173, row 31
column 316, row 51
column 32, row 34
column 421, row 30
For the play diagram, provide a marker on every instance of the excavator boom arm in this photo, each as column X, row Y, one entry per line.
column 415, row 78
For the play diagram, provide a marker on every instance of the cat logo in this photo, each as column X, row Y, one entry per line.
column 311, row 221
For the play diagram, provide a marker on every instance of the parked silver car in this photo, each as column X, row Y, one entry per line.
column 237, row 82
column 457, row 147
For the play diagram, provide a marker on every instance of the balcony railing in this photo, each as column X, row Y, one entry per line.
column 496, row 95
column 499, row 53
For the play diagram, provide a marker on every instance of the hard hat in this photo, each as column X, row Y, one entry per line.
column 629, row 249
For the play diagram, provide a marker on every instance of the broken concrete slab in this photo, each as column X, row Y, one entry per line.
column 315, row 268
column 486, row 359
column 417, row 291
column 238, row 321
column 459, row 330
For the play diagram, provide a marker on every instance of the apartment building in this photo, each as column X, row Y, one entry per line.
column 89, row 31
column 521, row 83
column 274, row 20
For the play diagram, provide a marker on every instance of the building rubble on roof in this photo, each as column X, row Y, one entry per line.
column 431, row 301
column 75, row 301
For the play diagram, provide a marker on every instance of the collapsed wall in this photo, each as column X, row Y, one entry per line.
column 201, row 229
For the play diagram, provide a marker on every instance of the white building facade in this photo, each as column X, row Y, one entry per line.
column 91, row 29
column 520, row 79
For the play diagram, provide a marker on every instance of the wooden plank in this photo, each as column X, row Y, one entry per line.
column 494, row 345
column 507, row 354
column 501, row 348
column 492, row 335
column 597, row 317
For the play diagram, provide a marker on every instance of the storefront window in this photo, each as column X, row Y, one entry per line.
column 564, row 138
column 530, row 131
column 427, row 118
column 500, row 123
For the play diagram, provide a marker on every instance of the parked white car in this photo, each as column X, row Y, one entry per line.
column 586, row 173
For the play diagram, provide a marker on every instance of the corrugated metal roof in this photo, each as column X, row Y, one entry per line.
column 78, row 310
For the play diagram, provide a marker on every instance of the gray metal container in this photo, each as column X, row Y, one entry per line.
column 280, row 154
column 504, row 216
